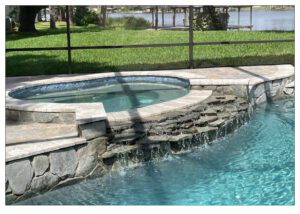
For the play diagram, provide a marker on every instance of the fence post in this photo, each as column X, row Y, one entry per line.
column 191, row 37
column 174, row 16
column 68, row 40
column 162, row 17
column 250, row 17
column 239, row 11
column 156, row 17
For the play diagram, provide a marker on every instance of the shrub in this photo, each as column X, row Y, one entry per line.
column 115, row 22
column 132, row 22
column 83, row 16
column 128, row 22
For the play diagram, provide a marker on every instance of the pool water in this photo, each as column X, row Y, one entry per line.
column 253, row 166
column 117, row 96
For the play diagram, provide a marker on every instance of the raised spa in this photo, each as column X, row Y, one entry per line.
column 116, row 93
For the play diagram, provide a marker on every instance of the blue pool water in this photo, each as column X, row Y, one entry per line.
column 116, row 93
column 253, row 166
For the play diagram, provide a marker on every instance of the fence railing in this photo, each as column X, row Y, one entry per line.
column 190, row 44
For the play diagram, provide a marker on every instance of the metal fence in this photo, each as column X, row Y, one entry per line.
column 190, row 44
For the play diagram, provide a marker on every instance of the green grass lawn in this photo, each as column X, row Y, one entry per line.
column 89, row 61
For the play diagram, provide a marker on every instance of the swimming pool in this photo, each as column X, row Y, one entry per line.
column 255, row 165
column 116, row 93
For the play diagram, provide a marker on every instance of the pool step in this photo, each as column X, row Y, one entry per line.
column 19, row 133
column 19, row 151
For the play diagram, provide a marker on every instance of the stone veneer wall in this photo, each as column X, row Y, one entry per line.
column 142, row 140
column 28, row 176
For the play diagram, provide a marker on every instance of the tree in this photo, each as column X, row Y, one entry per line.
column 52, row 17
column 45, row 15
column 63, row 14
column 71, row 14
column 39, row 18
column 59, row 13
column 102, row 17
column 27, row 18
column 211, row 19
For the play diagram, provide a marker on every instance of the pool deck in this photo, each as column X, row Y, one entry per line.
column 92, row 112
column 243, row 75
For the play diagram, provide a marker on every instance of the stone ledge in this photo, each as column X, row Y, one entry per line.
column 118, row 150
column 291, row 85
column 92, row 130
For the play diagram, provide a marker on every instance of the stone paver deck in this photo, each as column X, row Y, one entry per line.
column 201, row 76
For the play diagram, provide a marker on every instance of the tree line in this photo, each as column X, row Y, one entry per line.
column 79, row 15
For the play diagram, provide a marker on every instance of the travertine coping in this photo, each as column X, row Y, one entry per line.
column 89, row 112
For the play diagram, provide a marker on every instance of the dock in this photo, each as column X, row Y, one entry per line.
column 237, row 27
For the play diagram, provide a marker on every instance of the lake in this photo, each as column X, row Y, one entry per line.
column 262, row 19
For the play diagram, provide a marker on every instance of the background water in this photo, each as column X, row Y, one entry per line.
column 254, row 165
column 262, row 19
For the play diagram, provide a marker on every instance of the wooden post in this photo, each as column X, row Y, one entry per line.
column 68, row 40
column 174, row 17
column 156, row 17
column 250, row 17
column 162, row 17
column 239, row 10
column 191, row 38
